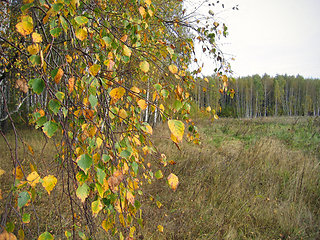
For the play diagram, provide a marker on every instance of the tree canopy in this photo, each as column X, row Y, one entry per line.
column 97, row 74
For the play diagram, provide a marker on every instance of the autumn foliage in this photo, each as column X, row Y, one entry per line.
column 102, row 67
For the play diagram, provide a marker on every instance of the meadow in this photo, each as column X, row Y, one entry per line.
column 248, row 179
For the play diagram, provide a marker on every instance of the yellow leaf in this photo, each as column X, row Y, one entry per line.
column 33, row 178
column 208, row 109
column 81, row 34
column 94, row 69
column 174, row 139
column 144, row 66
column 142, row 11
column 130, row 197
column 19, row 172
column 161, row 108
column 117, row 206
column 148, row 2
column 122, row 114
column 160, row 228
column 142, row 104
column 49, row 182
column 224, row 78
column 69, row 59
column 33, row 49
column 117, row 93
column 173, row 68
column 24, row 28
column 2, row 172
column 150, row 12
column 177, row 129
column 36, row 37
column 99, row 142
column 173, row 181
column 58, row 76
column 126, row 51
column 106, row 225
column 206, row 79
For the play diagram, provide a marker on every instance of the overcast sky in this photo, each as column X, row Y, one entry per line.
column 272, row 36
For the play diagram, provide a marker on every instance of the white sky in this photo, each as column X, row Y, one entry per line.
column 271, row 36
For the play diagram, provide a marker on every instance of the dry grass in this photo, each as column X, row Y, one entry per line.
column 249, row 179
column 248, row 184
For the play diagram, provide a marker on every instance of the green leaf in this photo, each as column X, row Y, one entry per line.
column 37, row 85
column 177, row 128
column 125, row 154
column 57, row 7
column 158, row 174
column 107, row 40
column 46, row 236
column 81, row 20
column 64, row 23
column 82, row 235
column 26, row 7
column 100, row 175
column 100, row 189
column 93, row 100
column 41, row 121
column 54, row 72
column 67, row 234
column 85, row 162
column 55, row 32
column 164, row 93
column 83, row 192
column 60, row 95
column 64, row 111
column 23, row 198
column 135, row 167
column 105, row 158
column 9, row 227
column 35, row 60
column 96, row 207
column 137, row 204
column 158, row 87
column 81, row 177
column 54, row 105
column 26, row 218
column 49, row 128
column 177, row 105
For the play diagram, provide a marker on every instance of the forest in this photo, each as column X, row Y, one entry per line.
column 260, row 96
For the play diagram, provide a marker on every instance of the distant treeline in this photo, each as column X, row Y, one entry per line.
column 256, row 96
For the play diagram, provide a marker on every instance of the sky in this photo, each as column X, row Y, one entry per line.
column 271, row 36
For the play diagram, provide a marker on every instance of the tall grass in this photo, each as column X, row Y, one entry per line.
column 249, row 179
column 245, row 181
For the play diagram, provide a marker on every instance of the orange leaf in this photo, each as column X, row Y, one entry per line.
column 173, row 181
column 58, row 76
column 142, row 104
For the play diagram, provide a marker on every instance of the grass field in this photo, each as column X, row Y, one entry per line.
column 249, row 179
